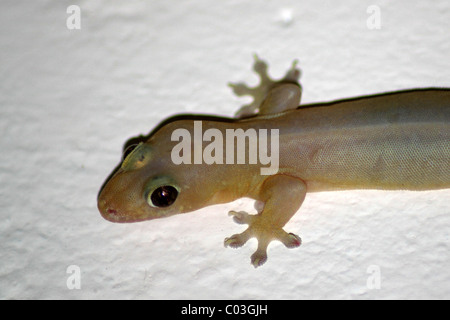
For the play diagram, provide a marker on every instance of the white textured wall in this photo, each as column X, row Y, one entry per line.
column 69, row 99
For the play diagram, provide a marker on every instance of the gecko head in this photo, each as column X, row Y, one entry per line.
column 149, row 186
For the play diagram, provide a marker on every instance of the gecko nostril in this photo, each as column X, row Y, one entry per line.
column 111, row 211
column 105, row 207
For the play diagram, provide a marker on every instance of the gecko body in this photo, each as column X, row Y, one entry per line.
column 398, row 140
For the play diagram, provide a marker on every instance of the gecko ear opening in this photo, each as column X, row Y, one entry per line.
column 163, row 196
column 137, row 158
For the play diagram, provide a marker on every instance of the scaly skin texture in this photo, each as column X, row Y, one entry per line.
column 397, row 140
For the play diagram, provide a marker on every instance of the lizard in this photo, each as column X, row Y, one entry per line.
column 388, row 141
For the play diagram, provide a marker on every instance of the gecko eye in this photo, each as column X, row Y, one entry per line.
column 163, row 196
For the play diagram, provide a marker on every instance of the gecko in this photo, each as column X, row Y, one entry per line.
column 387, row 141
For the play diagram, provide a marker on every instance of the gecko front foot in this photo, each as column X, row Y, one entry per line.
column 260, row 92
column 264, row 231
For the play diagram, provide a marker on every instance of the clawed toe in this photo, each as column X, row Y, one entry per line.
column 240, row 89
column 241, row 217
column 258, row 258
column 291, row 240
column 237, row 240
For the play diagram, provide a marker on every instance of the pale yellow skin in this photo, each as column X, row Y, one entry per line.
column 393, row 141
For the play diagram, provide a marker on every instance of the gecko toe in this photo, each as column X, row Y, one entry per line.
column 260, row 67
column 237, row 240
column 291, row 240
column 240, row 89
column 293, row 74
column 259, row 258
column 241, row 217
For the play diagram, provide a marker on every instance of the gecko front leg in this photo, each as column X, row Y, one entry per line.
column 270, row 96
column 282, row 196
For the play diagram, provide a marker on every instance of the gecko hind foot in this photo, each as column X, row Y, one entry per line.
column 259, row 93
column 263, row 232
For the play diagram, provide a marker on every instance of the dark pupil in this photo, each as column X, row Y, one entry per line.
column 164, row 196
